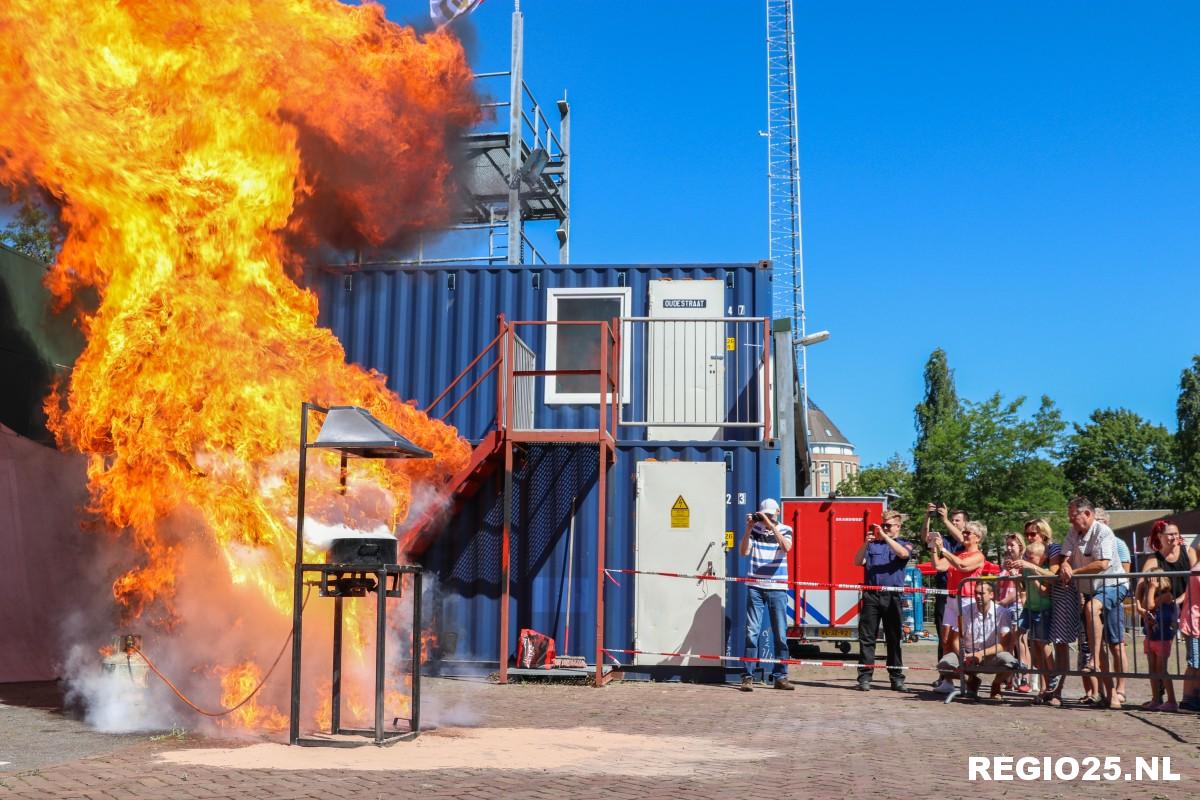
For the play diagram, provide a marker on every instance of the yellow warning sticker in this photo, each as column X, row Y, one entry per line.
column 730, row 343
column 728, row 540
column 681, row 515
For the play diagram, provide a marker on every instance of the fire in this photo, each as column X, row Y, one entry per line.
column 236, row 685
column 196, row 149
column 357, row 708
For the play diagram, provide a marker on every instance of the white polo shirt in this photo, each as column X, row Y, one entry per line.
column 1099, row 543
column 980, row 630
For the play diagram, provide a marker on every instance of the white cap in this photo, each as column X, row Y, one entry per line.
column 769, row 506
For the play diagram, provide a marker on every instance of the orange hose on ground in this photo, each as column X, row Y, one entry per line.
column 244, row 700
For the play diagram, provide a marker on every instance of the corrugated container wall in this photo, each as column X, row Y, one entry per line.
column 421, row 327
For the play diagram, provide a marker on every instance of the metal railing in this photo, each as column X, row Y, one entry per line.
column 699, row 378
column 524, row 385
column 493, row 354
column 514, row 364
column 1090, row 597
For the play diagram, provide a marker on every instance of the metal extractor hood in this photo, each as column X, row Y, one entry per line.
column 355, row 432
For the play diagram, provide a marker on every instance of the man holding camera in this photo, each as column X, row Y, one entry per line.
column 767, row 543
column 884, row 557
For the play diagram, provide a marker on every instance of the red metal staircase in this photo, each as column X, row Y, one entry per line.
column 498, row 449
column 465, row 484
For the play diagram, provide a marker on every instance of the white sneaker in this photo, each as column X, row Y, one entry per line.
column 945, row 687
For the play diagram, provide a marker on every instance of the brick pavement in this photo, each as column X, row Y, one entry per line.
column 824, row 740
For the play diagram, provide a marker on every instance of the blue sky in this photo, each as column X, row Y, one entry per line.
column 1016, row 183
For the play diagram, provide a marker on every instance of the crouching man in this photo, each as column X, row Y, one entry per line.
column 980, row 638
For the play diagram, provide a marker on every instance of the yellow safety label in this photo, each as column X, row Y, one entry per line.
column 681, row 515
column 728, row 540
column 730, row 343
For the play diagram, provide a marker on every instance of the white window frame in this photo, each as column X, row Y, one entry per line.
column 622, row 293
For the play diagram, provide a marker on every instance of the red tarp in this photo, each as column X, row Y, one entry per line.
column 44, row 553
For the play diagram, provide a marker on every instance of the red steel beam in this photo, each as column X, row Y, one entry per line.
column 506, row 528
column 767, row 383
column 601, row 502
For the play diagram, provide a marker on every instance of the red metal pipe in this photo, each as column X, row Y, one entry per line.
column 616, row 376
column 767, row 382
column 505, row 562
column 602, row 507
column 499, row 381
column 472, row 388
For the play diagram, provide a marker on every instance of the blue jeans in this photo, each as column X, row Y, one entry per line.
column 1112, row 613
column 766, row 608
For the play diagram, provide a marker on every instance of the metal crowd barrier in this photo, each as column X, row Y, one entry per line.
column 1087, row 587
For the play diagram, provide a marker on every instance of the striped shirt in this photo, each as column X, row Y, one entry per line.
column 768, row 561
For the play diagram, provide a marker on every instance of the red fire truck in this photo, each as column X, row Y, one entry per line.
column 827, row 532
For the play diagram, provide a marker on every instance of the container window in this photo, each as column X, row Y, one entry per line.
column 578, row 346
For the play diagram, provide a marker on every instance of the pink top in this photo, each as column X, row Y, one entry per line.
column 1006, row 591
column 1189, row 613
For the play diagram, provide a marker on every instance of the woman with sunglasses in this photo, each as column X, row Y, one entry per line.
column 967, row 563
column 1064, row 611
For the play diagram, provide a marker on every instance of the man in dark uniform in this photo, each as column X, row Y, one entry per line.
column 884, row 556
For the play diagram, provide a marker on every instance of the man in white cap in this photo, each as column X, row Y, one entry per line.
column 767, row 543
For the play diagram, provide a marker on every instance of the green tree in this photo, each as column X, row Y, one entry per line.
column 1187, row 438
column 938, row 471
column 34, row 231
column 941, row 400
column 892, row 475
column 1009, row 461
column 1120, row 460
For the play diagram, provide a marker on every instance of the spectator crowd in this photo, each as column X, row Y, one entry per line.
column 1016, row 629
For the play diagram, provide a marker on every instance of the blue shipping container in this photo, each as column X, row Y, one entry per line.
column 421, row 326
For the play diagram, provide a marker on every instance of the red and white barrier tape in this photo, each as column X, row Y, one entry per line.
column 800, row 584
column 800, row 662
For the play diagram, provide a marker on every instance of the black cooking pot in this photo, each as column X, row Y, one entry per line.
column 365, row 550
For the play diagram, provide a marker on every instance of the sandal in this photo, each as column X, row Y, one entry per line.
column 1089, row 700
column 1054, row 702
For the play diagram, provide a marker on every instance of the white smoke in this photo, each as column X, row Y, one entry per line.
column 116, row 699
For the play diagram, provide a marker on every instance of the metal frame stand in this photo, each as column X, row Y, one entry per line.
column 340, row 581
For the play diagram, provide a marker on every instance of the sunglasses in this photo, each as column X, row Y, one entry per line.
column 887, row 526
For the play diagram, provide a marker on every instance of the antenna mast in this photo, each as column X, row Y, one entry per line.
column 783, row 181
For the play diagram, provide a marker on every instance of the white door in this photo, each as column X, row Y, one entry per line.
column 685, row 359
column 681, row 529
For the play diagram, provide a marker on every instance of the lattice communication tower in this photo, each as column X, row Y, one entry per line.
column 783, row 169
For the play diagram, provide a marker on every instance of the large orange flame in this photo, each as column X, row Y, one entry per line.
column 194, row 147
